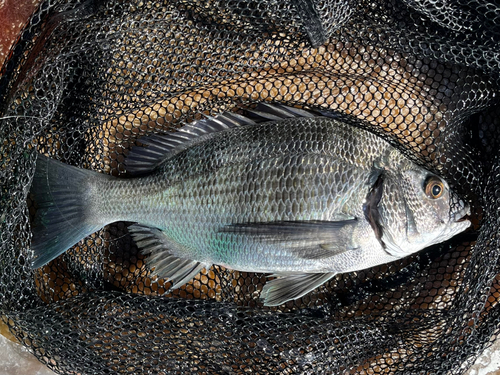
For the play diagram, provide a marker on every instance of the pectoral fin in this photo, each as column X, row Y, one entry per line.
column 292, row 286
column 166, row 265
column 313, row 239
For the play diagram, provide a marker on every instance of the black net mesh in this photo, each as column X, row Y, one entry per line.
column 86, row 80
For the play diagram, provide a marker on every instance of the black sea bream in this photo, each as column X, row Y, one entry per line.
column 303, row 198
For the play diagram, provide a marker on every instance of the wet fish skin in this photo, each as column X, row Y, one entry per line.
column 258, row 179
column 288, row 197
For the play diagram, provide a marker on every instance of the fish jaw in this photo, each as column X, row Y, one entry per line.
column 461, row 214
column 416, row 241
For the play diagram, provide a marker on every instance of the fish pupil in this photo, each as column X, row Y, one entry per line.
column 436, row 190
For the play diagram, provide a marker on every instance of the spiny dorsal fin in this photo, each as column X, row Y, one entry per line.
column 143, row 160
column 276, row 112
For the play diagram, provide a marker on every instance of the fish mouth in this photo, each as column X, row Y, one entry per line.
column 462, row 215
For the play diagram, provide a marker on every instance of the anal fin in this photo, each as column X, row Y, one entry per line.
column 292, row 286
column 154, row 242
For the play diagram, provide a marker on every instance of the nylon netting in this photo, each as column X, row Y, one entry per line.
column 86, row 80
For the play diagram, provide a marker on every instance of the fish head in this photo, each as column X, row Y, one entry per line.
column 418, row 209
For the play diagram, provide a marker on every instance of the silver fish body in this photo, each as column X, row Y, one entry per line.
column 303, row 198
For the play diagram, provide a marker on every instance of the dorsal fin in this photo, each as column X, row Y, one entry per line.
column 276, row 112
column 143, row 160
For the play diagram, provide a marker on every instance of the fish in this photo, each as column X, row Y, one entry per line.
column 302, row 196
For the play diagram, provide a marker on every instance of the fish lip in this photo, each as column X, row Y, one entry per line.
column 462, row 215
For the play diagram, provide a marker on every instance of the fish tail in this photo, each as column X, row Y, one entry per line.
column 62, row 197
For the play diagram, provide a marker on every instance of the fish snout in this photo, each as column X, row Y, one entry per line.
column 461, row 214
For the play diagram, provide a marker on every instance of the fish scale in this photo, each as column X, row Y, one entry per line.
column 303, row 198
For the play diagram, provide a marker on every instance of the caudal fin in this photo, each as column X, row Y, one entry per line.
column 62, row 195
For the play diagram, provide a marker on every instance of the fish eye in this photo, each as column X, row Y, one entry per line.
column 434, row 188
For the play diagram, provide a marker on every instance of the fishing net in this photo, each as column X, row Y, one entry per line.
column 86, row 80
